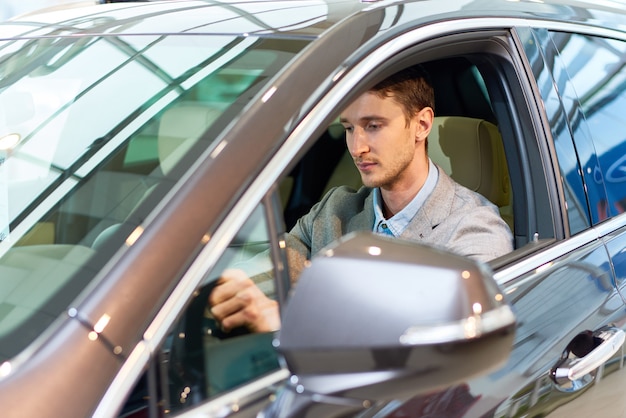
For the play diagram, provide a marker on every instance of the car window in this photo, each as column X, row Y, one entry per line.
column 473, row 82
column 596, row 69
column 475, row 92
column 551, row 79
column 94, row 132
column 198, row 361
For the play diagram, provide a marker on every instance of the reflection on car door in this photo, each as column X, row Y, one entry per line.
column 555, row 302
column 568, row 307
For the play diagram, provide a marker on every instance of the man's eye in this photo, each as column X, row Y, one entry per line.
column 373, row 126
column 348, row 128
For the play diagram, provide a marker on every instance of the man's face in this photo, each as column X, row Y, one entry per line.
column 384, row 147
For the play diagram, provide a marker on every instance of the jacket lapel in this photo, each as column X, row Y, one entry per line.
column 435, row 210
column 363, row 220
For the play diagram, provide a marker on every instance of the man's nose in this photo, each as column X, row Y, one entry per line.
column 357, row 144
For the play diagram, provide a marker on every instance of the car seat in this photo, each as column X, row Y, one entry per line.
column 470, row 151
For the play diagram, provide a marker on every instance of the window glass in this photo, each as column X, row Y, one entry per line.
column 198, row 360
column 94, row 131
column 597, row 70
column 550, row 76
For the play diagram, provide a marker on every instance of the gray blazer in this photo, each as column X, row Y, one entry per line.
column 452, row 217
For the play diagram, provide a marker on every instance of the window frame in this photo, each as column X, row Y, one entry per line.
column 536, row 192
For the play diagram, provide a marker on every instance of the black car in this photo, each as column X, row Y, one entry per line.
column 147, row 146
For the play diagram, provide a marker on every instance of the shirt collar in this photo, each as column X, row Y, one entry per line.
column 398, row 223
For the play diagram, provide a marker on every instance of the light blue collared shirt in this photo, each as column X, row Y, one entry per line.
column 396, row 225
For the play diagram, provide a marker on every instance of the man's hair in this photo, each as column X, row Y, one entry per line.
column 410, row 88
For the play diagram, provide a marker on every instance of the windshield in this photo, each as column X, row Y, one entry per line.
column 89, row 127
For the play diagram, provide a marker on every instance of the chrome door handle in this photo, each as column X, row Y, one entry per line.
column 585, row 353
column 613, row 340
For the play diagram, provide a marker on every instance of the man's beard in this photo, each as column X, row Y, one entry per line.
column 387, row 175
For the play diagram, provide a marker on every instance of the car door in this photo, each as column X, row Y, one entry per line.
column 569, row 296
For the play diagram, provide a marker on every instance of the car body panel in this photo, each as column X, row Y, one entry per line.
column 616, row 248
column 80, row 353
column 574, row 280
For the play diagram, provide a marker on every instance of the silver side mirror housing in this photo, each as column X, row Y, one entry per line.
column 375, row 318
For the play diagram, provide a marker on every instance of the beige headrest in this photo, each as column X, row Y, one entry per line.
column 471, row 152
column 180, row 127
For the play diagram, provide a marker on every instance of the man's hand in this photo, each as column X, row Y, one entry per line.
column 236, row 301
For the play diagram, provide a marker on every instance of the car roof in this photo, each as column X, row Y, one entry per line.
column 288, row 18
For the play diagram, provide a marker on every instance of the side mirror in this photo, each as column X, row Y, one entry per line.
column 375, row 318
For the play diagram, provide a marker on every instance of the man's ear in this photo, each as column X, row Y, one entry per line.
column 424, row 123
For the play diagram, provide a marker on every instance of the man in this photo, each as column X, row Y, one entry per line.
column 405, row 195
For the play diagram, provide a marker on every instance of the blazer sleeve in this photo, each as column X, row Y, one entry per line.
column 340, row 211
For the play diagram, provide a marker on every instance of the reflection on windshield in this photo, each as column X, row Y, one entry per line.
column 102, row 124
column 61, row 109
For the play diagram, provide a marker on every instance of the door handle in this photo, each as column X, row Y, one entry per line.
column 584, row 354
